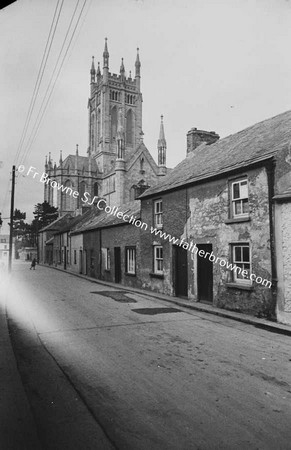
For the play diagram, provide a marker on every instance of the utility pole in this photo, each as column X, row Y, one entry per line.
column 11, row 219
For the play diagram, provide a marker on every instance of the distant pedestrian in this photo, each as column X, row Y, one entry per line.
column 33, row 264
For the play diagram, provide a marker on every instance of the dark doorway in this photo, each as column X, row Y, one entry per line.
column 181, row 272
column 65, row 258
column 81, row 261
column 205, row 274
column 117, row 264
column 85, row 262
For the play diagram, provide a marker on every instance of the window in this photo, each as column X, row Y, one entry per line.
column 240, row 198
column 158, row 259
column 129, row 127
column 241, row 259
column 130, row 260
column 75, row 256
column 106, row 258
column 95, row 189
column 158, row 213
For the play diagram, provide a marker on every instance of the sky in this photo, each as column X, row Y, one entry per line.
column 218, row 65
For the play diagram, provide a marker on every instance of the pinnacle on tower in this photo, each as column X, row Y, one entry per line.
column 122, row 70
column 98, row 71
column 61, row 157
column 77, row 150
column 93, row 71
column 106, row 55
column 137, row 64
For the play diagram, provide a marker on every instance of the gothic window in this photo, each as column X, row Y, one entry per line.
column 66, row 196
column 129, row 127
column 115, row 95
column 98, row 126
column 82, row 189
column 142, row 164
column 92, row 131
column 95, row 189
column 113, row 123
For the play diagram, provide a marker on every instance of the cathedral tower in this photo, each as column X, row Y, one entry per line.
column 112, row 95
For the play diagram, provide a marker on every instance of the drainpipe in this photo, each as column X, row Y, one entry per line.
column 270, row 167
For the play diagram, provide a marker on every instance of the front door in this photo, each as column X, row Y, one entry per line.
column 81, row 261
column 65, row 258
column 181, row 272
column 117, row 264
column 205, row 274
column 85, row 262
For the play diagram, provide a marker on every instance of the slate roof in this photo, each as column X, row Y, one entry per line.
column 103, row 219
column 82, row 163
column 74, row 221
column 57, row 224
column 253, row 144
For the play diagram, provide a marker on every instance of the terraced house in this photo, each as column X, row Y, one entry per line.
column 221, row 222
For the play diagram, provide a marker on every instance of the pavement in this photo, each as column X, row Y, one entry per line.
column 17, row 426
column 265, row 324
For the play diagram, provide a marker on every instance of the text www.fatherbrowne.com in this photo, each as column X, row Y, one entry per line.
column 115, row 211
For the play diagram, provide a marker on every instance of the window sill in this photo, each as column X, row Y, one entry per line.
column 238, row 219
column 130, row 274
column 244, row 287
column 157, row 275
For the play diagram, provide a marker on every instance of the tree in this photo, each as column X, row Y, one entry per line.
column 19, row 226
column 44, row 214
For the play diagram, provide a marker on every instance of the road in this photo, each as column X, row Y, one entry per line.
column 110, row 370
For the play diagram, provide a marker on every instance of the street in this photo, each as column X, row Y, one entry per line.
column 104, row 368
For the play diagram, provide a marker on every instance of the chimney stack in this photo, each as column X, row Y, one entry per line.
column 197, row 137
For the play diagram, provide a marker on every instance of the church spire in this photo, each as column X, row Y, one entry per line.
column 93, row 71
column 162, row 145
column 61, row 158
column 162, row 140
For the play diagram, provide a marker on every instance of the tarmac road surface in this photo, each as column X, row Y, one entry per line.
column 105, row 369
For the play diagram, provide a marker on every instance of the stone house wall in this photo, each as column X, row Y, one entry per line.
column 199, row 214
column 122, row 236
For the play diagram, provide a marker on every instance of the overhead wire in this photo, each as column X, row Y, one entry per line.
column 41, row 71
column 35, row 90
column 40, row 115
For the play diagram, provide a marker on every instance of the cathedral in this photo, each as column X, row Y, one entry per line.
column 118, row 167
